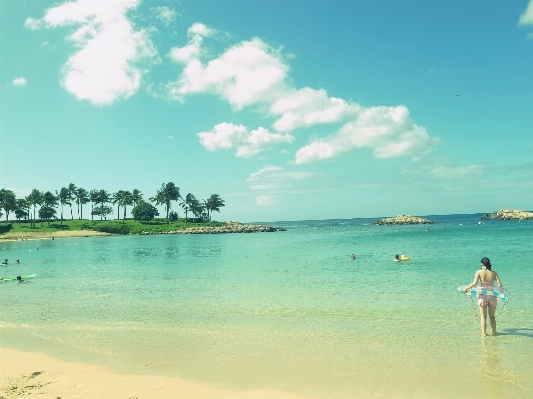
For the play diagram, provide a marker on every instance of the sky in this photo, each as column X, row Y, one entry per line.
column 288, row 109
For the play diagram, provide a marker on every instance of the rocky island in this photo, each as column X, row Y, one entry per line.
column 404, row 219
column 508, row 214
column 228, row 227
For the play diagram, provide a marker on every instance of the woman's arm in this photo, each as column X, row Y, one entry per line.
column 476, row 279
column 498, row 280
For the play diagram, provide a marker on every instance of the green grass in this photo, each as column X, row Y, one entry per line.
column 110, row 226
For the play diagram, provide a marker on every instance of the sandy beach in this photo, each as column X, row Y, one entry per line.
column 48, row 235
column 27, row 374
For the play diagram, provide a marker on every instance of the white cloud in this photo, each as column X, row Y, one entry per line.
column 388, row 130
column 33, row 24
column 113, row 57
column 246, row 74
column 527, row 17
column 276, row 178
column 165, row 14
column 265, row 200
column 443, row 170
column 192, row 51
column 307, row 107
column 20, row 82
column 454, row 172
column 228, row 135
column 253, row 73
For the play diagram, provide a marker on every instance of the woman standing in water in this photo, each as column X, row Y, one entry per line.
column 487, row 278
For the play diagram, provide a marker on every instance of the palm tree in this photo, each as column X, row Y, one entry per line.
column 82, row 197
column 168, row 193
column 187, row 205
column 159, row 198
column 93, row 197
column 71, row 196
column 198, row 208
column 103, row 198
column 127, row 199
column 213, row 203
column 64, row 199
column 8, row 201
column 117, row 199
column 49, row 203
column 136, row 196
column 22, row 211
column 34, row 198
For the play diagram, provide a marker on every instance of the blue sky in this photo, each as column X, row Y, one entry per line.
column 288, row 110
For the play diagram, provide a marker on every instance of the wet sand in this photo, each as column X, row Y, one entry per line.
column 28, row 374
column 48, row 235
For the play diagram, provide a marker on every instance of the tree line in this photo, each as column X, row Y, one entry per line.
column 46, row 205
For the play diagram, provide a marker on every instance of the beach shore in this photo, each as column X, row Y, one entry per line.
column 27, row 374
column 48, row 235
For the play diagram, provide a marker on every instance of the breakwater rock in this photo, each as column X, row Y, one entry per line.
column 228, row 227
column 404, row 219
column 508, row 214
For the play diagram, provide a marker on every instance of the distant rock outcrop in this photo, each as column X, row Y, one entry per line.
column 508, row 214
column 405, row 219
column 228, row 227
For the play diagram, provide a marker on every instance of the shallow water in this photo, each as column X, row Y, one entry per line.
column 285, row 310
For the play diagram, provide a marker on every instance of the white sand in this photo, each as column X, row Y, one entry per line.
column 26, row 374
column 40, row 235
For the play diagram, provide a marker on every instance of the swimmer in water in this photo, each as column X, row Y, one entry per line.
column 352, row 257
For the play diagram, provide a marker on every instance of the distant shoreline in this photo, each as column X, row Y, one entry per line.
column 48, row 235
column 225, row 228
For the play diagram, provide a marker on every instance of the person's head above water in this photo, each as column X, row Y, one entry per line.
column 396, row 256
column 486, row 262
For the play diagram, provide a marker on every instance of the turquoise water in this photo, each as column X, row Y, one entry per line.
column 285, row 310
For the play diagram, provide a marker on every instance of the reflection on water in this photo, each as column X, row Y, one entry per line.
column 491, row 368
column 498, row 380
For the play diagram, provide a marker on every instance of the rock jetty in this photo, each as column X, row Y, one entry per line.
column 228, row 227
column 404, row 219
column 508, row 214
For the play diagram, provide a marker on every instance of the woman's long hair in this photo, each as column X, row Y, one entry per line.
column 486, row 262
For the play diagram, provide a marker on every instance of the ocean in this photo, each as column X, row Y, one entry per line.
column 286, row 310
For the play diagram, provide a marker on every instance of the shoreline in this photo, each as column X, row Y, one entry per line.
column 49, row 235
column 227, row 228
column 33, row 373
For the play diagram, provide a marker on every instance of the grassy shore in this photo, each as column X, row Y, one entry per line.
column 85, row 228
column 77, row 228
